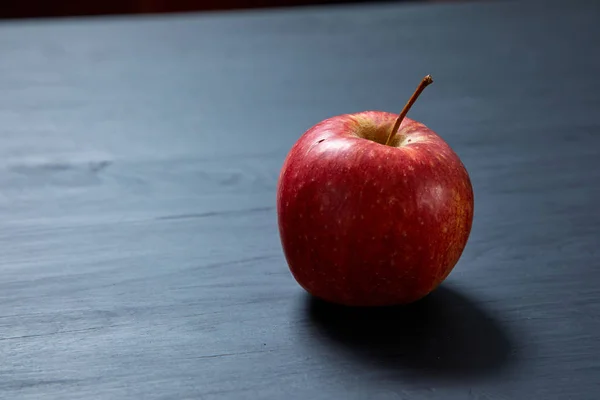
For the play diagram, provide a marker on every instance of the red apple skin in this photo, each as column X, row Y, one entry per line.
column 367, row 224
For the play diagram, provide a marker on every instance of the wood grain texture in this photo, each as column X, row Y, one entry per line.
column 139, row 252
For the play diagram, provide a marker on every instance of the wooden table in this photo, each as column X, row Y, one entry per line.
column 140, row 256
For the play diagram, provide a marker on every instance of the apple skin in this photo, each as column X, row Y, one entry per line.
column 365, row 224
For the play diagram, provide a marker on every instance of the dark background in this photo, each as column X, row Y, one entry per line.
column 61, row 8
column 139, row 157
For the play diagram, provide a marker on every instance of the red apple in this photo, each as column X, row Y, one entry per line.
column 374, row 209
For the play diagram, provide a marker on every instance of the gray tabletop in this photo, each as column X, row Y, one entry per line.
column 139, row 251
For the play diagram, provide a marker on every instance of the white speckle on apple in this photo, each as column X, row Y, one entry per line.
column 372, row 237
column 362, row 216
column 325, row 226
column 301, row 216
column 335, row 249
column 339, row 221
column 403, row 233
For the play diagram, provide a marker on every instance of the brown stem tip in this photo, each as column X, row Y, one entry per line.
column 424, row 83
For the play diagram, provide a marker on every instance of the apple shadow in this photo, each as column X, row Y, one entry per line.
column 444, row 335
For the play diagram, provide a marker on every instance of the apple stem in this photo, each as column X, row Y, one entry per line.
column 424, row 83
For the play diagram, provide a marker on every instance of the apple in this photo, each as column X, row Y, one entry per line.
column 373, row 208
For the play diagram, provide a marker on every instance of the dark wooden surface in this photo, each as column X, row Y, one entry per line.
column 140, row 256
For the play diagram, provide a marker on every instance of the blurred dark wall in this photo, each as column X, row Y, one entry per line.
column 56, row 8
